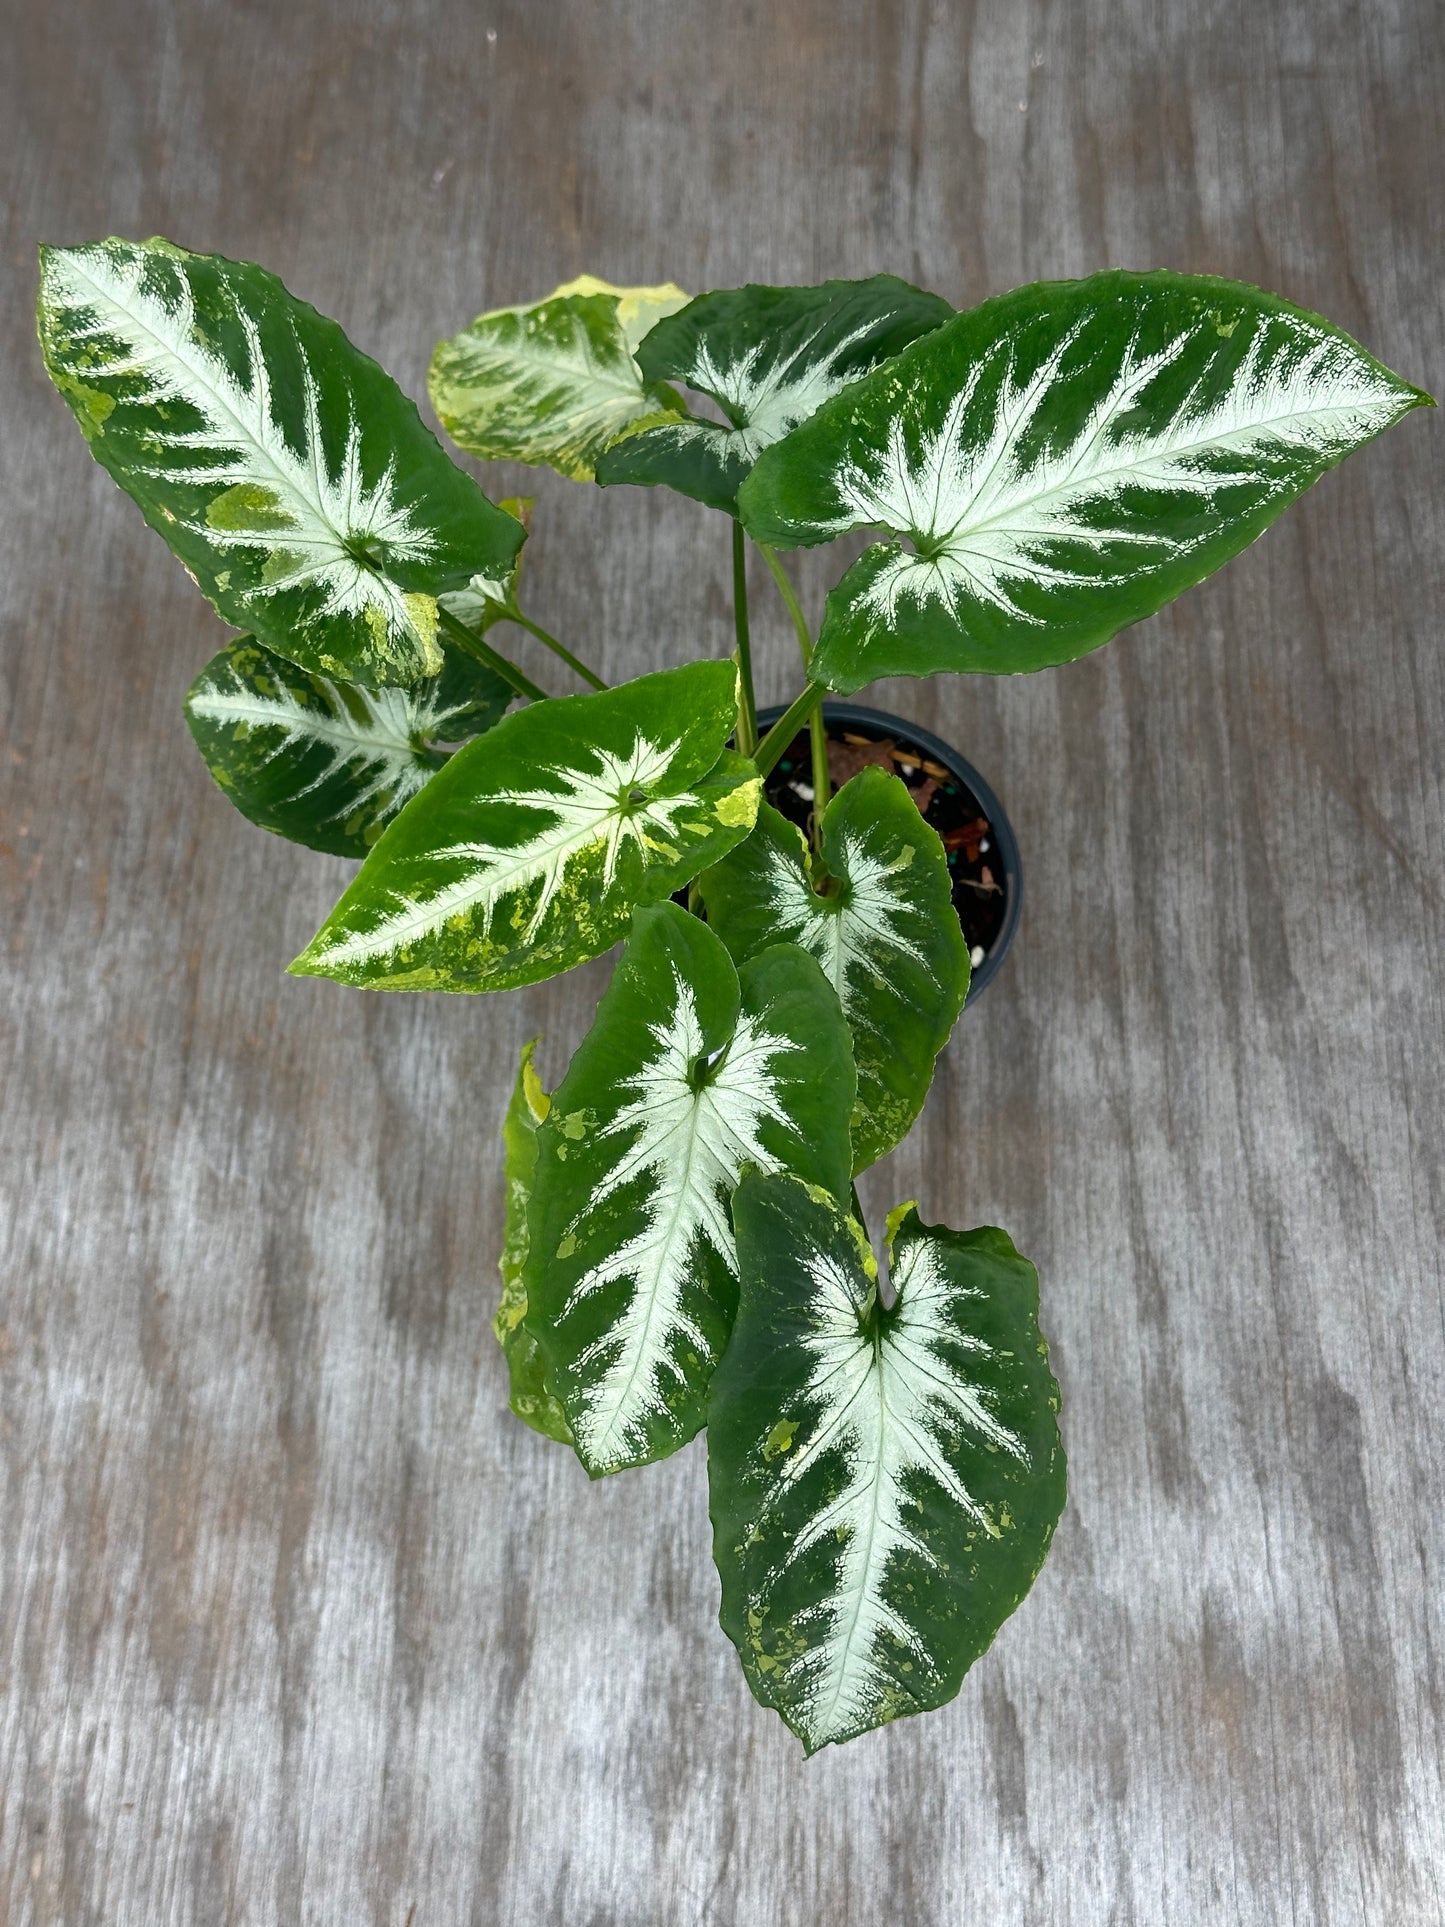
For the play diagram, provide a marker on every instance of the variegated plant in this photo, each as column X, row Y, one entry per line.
column 684, row 1249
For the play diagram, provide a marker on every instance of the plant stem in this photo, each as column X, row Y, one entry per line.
column 787, row 726
column 747, row 736
column 822, row 782
column 817, row 728
column 474, row 645
column 557, row 648
column 790, row 597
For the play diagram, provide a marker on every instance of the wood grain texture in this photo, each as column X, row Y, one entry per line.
column 296, row 1624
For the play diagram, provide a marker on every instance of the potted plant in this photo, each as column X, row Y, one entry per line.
column 684, row 1247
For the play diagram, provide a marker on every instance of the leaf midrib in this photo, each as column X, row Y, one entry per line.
column 424, row 918
column 683, row 1191
column 223, row 403
column 589, row 371
column 1105, row 475
column 323, row 730
column 492, row 884
column 865, row 1584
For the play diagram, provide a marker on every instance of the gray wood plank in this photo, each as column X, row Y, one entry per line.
column 295, row 1623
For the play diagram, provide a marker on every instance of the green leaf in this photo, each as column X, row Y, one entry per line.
column 1064, row 460
column 768, row 357
column 488, row 599
column 884, row 1482
column 886, row 935
column 530, row 1399
column 328, row 763
column 526, row 854
column 285, row 468
column 691, row 1070
column 555, row 382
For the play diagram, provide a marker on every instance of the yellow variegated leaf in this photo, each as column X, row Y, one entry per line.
column 556, row 381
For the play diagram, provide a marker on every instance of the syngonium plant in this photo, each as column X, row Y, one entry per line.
column 684, row 1247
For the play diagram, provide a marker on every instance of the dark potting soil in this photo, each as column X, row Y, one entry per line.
column 944, row 800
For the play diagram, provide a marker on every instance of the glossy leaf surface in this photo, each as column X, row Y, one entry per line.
column 692, row 1070
column 285, row 468
column 769, row 357
column 884, row 1483
column 489, row 599
column 886, row 935
column 527, row 853
column 328, row 763
column 1063, row 460
column 530, row 1399
column 555, row 382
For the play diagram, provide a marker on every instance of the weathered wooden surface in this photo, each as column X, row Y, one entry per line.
column 296, row 1624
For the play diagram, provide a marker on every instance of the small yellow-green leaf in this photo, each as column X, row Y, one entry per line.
column 554, row 382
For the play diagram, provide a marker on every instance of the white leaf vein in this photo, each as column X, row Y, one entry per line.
column 993, row 501
column 309, row 516
column 584, row 807
column 853, row 938
column 688, row 1147
column 374, row 751
column 888, row 1408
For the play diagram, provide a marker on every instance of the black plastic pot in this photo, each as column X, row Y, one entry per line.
column 988, row 885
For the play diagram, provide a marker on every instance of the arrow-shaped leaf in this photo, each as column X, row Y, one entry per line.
column 527, row 853
column 285, row 468
column 885, row 933
column 555, row 382
column 1064, row 460
column 769, row 357
column 884, row 1483
column 530, row 1399
column 692, row 1070
column 328, row 763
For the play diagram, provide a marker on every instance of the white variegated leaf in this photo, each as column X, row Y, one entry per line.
column 527, row 853
column 690, row 1072
column 285, row 468
column 1063, row 460
column 555, row 382
column 769, row 357
column 885, row 1480
column 328, row 763
column 885, row 933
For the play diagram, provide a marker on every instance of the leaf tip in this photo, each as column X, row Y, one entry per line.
column 896, row 1220
column 308, row 963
